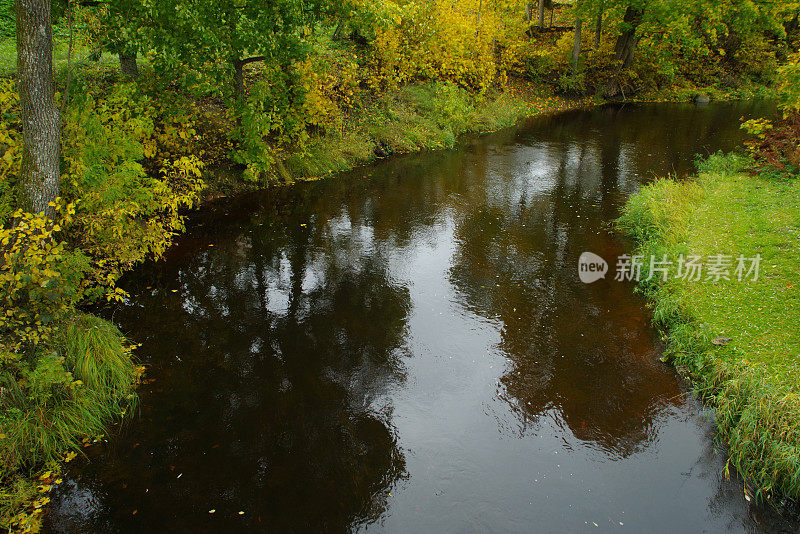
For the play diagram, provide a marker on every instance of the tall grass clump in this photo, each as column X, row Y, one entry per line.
column 54, row 402
column 51, row 403
column 737, row 340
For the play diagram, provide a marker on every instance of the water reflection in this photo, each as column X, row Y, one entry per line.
column 585, row 351
column 408, row 348
column 267, row 396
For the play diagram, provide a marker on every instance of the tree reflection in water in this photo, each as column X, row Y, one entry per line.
column 271, row 361
column 584, row 351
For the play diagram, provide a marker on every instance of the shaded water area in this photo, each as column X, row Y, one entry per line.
column 408, row 348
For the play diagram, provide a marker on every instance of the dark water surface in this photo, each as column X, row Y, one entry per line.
column 407, row 348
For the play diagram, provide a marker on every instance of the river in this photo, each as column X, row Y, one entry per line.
column 407, row 347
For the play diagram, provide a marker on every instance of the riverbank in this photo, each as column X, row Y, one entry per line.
column 738, row 340
column 431, row 115
column 690, row 93
column 192, row 134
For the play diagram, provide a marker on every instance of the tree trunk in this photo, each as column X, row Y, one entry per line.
column 541, row 13
column 598, row 29
column 128, row 65
column 624, row 49
column 576, row 47
column 40, row 173
column 337, row 32
column 627, row 40
column 238, row 78
column 528, row 11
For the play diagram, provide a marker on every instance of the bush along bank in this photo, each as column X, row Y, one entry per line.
column 65, row 374
column 737, row 340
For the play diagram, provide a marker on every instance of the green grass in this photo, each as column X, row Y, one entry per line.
column 8, row 56
column 40, row 422
column 80, row 55
column 44, row 414
column 754, row 380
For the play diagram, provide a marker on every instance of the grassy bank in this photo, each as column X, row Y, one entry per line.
column 688, row 92
column 430, row 115
column 420, row 116
column 738, row 340
column 55, row 403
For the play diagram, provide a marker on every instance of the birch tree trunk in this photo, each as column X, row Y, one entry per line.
column 40, row 173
